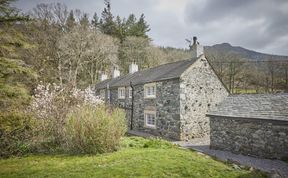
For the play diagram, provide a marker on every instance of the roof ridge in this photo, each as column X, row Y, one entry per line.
column 164, row 65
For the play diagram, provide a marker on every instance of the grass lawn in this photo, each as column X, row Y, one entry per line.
column 137, row 157
column 244, row 91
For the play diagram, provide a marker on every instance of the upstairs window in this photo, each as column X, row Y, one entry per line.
column 130, row 92
column 121, row 93
column 150, row 90
column 150, row 119
column 102, row 94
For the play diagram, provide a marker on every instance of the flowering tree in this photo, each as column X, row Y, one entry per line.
column 51, row 104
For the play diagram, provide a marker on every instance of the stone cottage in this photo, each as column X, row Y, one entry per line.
column 169, row 100
column 251, row 124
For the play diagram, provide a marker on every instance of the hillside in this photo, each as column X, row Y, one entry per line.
column 246, row 53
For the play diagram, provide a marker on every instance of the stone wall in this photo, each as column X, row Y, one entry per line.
column 256, row 137
column 121, row 103
column 200, row 91
column 166, row 105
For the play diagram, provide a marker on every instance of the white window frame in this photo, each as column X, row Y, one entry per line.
column 130, row 92
column 150, row 90
column 148, row 114
column 102, row 93
column 121, row 93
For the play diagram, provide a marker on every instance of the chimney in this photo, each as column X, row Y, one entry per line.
column 196, row 48
column 116, row 72
column 103, row 77
column 133, row 68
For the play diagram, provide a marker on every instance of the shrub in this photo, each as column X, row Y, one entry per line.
column 50, row 105
column 94, row 129
column 15, row 131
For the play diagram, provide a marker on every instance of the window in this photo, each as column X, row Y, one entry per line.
column 130, row 92
column 150, row 119
column 102, row 94
column 121, row 93
column 150, row 90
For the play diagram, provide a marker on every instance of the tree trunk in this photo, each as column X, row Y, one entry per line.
column 286, row 78
column 230, row 78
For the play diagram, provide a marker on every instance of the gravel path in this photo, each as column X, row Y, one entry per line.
column 272, row 166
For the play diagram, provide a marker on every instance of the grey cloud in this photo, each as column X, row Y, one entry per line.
column 260, row 25
column 271, row 23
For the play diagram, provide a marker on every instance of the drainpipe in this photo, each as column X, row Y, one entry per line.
column 108, row 94
column 132, row 106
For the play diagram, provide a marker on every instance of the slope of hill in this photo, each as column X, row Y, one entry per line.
column 246, row 53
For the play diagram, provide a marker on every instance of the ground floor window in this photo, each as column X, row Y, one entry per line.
column 150, row 119
column 121, row 93
column 102, row 94
column 130, row 92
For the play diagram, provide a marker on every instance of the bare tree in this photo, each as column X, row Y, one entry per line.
column 84, row 51
column 228, row 67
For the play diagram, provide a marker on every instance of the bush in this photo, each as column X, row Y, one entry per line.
column 94, row 129
column 15, row 131
column 50, row 106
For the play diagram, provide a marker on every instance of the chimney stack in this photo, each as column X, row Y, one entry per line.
column 196, row 48
column 133, row 68
column 103, row 77
column 116, row 72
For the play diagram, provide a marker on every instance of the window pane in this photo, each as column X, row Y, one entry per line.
column 150, row 119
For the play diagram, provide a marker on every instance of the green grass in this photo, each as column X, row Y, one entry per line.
column 244, row 91
column 137, row 157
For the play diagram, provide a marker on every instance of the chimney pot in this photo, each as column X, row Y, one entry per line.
column 197, row 49
column 116, row 72
column 194, row 40
column 103, row 77
column 133, row 67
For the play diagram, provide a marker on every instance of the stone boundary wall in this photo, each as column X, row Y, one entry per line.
column 256, row 137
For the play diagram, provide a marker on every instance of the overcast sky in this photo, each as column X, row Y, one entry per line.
column 260, row 25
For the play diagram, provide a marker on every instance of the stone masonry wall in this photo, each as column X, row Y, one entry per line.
column 263, row 138
column 200, row 91
column 166, row 105
column 122, row 103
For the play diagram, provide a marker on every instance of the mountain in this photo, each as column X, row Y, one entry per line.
column 245, row 53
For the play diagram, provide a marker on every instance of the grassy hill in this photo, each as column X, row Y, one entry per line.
column 137, row 157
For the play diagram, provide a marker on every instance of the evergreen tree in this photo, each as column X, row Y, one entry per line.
column 108, row 25
column 71, row 22
column 142, row 27
column 84, row 21
column 131, row 25
column 8, row 13
column 120, row 29
column 95, row 21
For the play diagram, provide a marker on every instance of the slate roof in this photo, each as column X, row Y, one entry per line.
column 257, row 106
column 161, row 72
